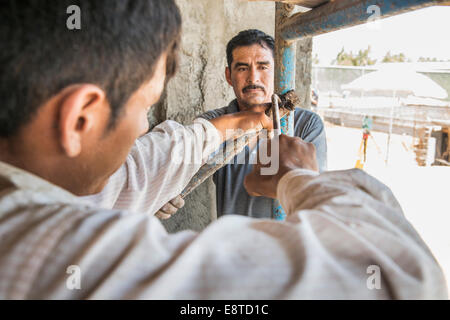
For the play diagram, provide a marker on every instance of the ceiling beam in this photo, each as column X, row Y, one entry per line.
column 303, row 3
column 337, row 15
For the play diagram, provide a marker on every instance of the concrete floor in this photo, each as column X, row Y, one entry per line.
column 423, row 192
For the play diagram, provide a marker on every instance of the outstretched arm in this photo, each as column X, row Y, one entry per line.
column 345, row 238
column 163, row 162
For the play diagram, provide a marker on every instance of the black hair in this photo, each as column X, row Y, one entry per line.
column 248, row 38
column 117, row 48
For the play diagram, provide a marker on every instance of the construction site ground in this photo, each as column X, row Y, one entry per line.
column 423, row 192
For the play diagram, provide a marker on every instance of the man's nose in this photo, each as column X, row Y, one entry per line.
column 253, row 76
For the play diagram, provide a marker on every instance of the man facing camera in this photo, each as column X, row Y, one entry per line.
column 250, row 71
column 73, row 123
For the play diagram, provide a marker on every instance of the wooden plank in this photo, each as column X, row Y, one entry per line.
column 337, row 15
column 303, row 3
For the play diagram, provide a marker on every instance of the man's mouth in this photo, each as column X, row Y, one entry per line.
column 252, row 88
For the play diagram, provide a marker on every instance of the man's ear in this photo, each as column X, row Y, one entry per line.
column 228, row 76
column 81, row 111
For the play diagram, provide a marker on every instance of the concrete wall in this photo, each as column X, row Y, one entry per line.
column 303, row 77
column 200, row 84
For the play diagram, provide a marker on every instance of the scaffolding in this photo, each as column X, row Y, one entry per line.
column 322, row 17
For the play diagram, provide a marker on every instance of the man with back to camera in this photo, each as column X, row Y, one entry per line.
column 250, row 71
column 69, row 119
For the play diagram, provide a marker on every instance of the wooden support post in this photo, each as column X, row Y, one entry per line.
column 285, row 60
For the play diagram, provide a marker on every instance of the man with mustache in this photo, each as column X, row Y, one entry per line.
column 250, row 71
column 70, row 118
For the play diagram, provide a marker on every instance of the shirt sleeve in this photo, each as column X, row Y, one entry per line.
column 356, row 226
column 310, row 127
column 345, row 238
column 159, row 167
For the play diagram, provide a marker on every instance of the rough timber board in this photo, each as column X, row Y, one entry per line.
column 303, row 3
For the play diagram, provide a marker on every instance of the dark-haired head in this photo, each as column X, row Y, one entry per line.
column 73, row 102
column 250, row 69
column 248, row 38
column 116, row 49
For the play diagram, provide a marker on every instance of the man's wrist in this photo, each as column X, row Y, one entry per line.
column 281, row 187
column 222, row 124
column 232, row 126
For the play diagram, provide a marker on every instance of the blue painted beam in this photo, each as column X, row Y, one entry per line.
column 286, row 82
column 285, row 61
column 337, row 15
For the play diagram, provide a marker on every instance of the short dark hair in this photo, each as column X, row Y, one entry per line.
column 248, row 38
column 117, row 48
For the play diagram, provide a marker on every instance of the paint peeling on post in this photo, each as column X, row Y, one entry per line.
column 285, row 60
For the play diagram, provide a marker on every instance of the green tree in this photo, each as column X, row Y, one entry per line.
column 362, row 58
column 428, row 59
column 389, row 58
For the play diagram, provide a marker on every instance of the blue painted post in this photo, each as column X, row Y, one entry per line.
column 331, row 16
column 285, row 60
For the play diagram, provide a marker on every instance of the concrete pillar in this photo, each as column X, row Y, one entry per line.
column 303, row 74
column 200, row 84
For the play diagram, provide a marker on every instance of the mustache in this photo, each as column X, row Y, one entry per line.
column 250, row 87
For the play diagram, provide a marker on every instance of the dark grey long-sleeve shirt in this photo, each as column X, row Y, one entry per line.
column 232, row 198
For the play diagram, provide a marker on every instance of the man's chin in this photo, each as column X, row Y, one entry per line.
column 250, row 104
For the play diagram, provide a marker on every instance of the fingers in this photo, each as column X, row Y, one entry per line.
column 170, row 208
column 293, row 153
column 263, row 120
column 250, row 186
column 305, row 155
column 178, row 202
column 256, row 118
column 258, row 186
column 162, row 216
column 267, row 122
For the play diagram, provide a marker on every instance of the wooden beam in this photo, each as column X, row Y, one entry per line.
column 337, row 15
column 303, row 3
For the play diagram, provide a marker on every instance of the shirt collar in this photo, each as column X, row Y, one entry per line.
column 233, row 107
column 23, row 180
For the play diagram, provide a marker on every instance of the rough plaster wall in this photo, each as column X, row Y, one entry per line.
column 200, row 84
column 303, row 71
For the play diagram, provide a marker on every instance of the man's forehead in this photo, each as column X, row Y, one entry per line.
column 254, row 53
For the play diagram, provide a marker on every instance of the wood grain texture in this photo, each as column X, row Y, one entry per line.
column 303, row 3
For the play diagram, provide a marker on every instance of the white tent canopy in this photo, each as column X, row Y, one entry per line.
column 394, row 81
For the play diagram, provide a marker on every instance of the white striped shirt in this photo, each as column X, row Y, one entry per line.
column 158, row 167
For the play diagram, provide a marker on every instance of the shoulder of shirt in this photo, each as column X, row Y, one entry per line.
column 300, row 112
column 307, row 116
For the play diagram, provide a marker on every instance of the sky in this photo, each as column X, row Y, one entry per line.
column 420, row 33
